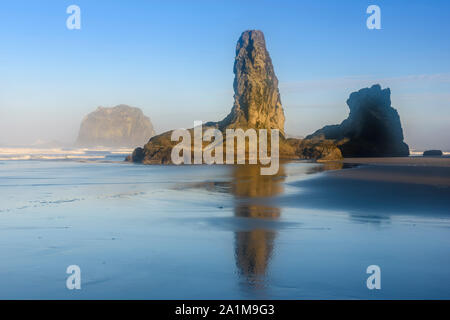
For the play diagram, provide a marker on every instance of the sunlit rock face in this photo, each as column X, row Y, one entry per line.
column 257, row 101
column 257, row 105
column 120, row 126
column 372, row 129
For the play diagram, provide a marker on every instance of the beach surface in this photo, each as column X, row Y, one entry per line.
column 443, row 161
column 224, row 232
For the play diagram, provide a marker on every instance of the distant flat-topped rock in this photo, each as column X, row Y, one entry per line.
column 432, row 153
column 120, row 126
column 372, row 129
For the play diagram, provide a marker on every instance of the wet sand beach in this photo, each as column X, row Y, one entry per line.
column 402, row 161
column 224, row 232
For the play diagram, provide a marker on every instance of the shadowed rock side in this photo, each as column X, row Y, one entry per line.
column 372, row 129
column 257, row 105
column 120, row 126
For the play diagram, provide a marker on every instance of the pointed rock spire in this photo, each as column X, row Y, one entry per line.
column 257, row 101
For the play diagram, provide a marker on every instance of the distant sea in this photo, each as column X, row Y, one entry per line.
column 58, row 153
column 218, row 232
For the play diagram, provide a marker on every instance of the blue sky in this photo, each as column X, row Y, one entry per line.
column 174, row 60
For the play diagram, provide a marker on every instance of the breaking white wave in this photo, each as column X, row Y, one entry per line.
column 21, row 153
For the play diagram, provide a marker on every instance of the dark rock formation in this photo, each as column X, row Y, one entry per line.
column 372, row 129
column 432, row 153
column 120, row 126
column 138, row 154
column 257, row 105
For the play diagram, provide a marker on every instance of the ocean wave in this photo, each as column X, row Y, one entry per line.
column 21, row 153
column 37, row 151
column 128, row 151
column 44, row 157
column 26, row 157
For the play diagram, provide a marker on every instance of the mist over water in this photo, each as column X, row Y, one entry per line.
column 75, row 154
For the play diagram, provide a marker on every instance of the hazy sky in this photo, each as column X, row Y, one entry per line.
column 174, row 60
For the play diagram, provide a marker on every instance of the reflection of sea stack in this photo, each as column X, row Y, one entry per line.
column 257, row 105
column 120, row 126
column 249, row 187
column 372, row 129
column 253, row 248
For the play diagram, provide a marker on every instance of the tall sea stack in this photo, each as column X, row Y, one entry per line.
column 257, row 105
column 257, row 102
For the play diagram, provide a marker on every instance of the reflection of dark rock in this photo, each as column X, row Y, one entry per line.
column 377, row 191
column 373, row 128
column 374, row 219
column 432, row 153
column 121, row 126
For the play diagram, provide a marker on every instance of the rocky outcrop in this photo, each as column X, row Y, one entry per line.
column 316, row 149
column 257, row 105
column 120, row 126
column 372, row 129
column 433, row 153
column 257, row 102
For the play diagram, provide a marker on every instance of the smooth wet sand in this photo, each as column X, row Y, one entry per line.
column 379, row 186
column 404, row 161
column 414, row 170
column 222, row 232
